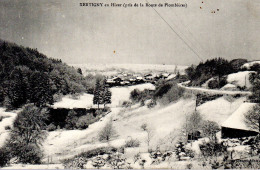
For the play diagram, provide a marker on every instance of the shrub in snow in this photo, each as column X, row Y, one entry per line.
column 107, row 133
column 144, row 126
column 82, row 123
column 158, row 156
column 209, row 129
column 132, row 143
column 98, row 162
column 71, row 120
column 179, row 150
column 51, row 127
column 117, row 161
column 139, row 160
column 212, row 148
column 245, row 164
column 98, row 151
column 7, row 128
column 126, row 104
column 76, row 163
column 151, row 104
column 189, row 166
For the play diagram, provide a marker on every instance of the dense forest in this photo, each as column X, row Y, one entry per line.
column 28, row 76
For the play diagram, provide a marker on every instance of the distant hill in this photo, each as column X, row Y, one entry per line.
column 28, row 76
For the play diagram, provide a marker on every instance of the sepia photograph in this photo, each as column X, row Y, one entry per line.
column 129, row 84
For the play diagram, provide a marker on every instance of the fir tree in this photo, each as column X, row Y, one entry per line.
column 97, row 94
column 107, row 96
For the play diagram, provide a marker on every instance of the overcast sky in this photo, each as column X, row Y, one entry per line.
column 62, row 29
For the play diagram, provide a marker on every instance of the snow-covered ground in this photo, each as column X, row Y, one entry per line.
column 60, row 144
column 7, row 121
column 220, row 109
column 83, row 101
column 120, row 94
column 162, row 121
column 240, row 79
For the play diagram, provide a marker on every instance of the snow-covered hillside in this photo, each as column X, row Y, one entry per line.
column 220, row 109
column 240, row 79
column 161, row 120
column 120, row 94
column 7, row 121
column 250, row 64
column 83, row 101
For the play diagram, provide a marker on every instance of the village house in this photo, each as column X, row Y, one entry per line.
column 235, row 126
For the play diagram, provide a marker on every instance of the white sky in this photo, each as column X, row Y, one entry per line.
column 62, row 29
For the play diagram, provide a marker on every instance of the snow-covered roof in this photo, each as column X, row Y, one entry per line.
column 171, row 76
column 236, row 120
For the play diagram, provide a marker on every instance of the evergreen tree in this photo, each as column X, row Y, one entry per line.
column 97, row 93
column 40, row 91
column 107, row 96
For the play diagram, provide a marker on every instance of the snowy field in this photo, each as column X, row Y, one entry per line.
column 83, row 101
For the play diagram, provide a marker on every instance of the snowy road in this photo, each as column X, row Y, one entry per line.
column 213, row 91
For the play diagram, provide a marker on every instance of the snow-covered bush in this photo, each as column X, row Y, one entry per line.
column 158, row 156
column 212, row 148
column 117, row 161
column 132, row 143
column 98, row 162
column 76, row 163
column 51, row 127
column 7, row 127
column 179, row 150
column 126, row 104
column 151, row 104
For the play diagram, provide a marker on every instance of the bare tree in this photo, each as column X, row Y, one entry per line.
column 107, row 133
column 252, row 118
column 150, row 133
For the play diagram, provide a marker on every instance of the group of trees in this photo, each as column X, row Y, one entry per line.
column 102, row 94
column 217, row 67
column 27, row 76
